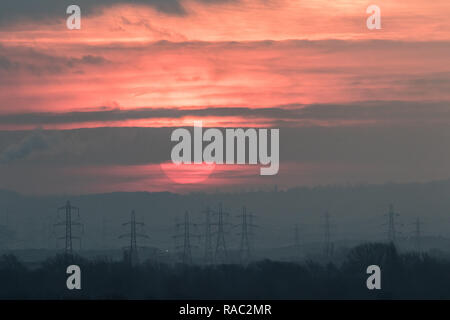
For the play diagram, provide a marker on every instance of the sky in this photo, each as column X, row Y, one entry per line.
column 92, row 110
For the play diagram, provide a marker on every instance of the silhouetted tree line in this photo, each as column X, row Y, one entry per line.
column 404, row 276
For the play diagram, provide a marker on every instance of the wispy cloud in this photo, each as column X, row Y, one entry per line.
column 239, row 74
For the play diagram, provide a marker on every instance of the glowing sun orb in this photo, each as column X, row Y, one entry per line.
column 187, row 173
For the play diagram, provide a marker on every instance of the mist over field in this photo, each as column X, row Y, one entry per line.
column 357, row 214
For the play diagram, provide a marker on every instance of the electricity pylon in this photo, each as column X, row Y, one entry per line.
column 131, row 253
column 186, row 256
column 208, row 254
column 392, row 230
column 328, row 245
column 5, row 228
column 104, row 232
column 69, row 222
column 244, row 250
column 221, row 253
column 297, row 249
column 418, row 235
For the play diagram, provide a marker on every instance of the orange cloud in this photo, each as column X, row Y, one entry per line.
column 246, row 20
column 249, row 74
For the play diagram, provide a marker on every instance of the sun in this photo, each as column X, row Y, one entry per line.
column 187, row 173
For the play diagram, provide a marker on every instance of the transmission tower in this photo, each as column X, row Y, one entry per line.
column 50, row 232
column 186, row 255
column 392, row 232
column 131, row 253
column 297, row 248
column 221, row 253
column 209, row 257
column 329, row 247
column 246, row 224
column 103, row 232
column 418, row 235
column 71, row 219
column 4, row 230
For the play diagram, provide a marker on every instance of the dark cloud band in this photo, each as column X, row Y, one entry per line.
column 381, row 112
column 16, row 10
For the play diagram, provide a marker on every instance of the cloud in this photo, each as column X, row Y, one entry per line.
column 342, row 154
column 183, row 74
column 374, row 113
column 7, row 64
column 15, row 10
column 36, row 141
column 28, row 60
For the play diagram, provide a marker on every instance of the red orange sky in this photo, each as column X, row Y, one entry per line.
column 243, row 54
column 231, row 53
